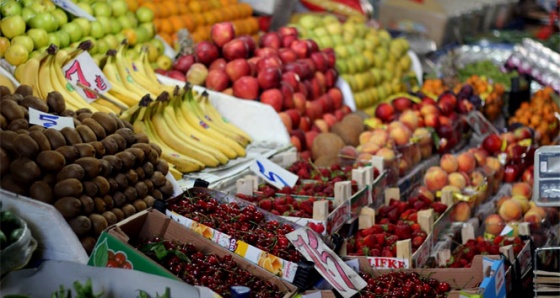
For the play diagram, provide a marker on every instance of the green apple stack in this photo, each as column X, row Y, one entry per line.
column 28, row 27
column 372, row 63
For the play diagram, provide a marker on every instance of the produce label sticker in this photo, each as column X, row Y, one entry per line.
column 86, row 77
column 337, row 273
column 272, row 173
column 480, row 124
column 388, row 263
column 47, row 120
column 72, row 8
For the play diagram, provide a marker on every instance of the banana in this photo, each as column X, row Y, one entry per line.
column 28, row 73
column 175, row 173
column 124, row 73
column 138, row 73
column 5, row 81
column 219, row 120
column 130, row 97
column 144, row 65
column 105, row 106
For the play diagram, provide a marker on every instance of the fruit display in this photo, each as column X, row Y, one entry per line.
column 373, row 64
column 408, row 211
column 195, row 267
column 344, row 8
column 402, row 284
column 463, row 255
column 29, row 27
column 95, row 174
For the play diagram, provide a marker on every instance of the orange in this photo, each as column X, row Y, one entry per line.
column 182, row 8
column 198, row 19
column 167, row 38
column 188, row 21
column 195, row 7
column 177, row 23
column 246, row 9
column 130, row 35
column 166, row 26
column 253, row 24
column 153, row 7
column 164, row 11
column 171, row 7
column 132, row 5
column 157, row 24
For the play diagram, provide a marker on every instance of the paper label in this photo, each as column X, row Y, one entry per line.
column 480, row 124
column 388, row 263
column 272, row 173
column 354, row 264
column 72, row 8
column 48, row 120
column 339, row 275
column 82, row 70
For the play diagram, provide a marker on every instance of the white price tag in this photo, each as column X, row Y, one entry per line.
column 83, row 70
column 72, row 8
column 49, row 120
column 272, row 173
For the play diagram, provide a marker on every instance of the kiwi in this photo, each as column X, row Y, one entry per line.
column 70, row 153
column 162, row 166
column 127, row 158
column 85, row 150
column 128, row 210
column 167, row 189
column 142, row 138
column 102, row 185
column 4, row 90
column 113, row 185
column 7, row 139
column 145, row 147
column 39, row 137
column 71, row 171
column 71, row 135
column 24, row 90
column 111, row 145
column 70, row 187
column 25, row 112
column 3, row 122
column 109, row 202
column 10, row 110
column 25, row 170
column 140, row 205
column 98, row 223
column 83, row 116
column 41, row 191
column 121, row 142
column 69, row 207
column 130, row 193
column 36, row 128
column 119, row 198
column 121, row 180
column 110, row 217
column 22, row 131
column 88, row 243
column 138, row 153
column 91, row 165
column 152, row 157
column 90, row 188
column 106, row 168
column 99, row 204
column 148, row 168
column 106, row 121
column 18, row 124
column 156, row 147
column 99, row 148
column 8, row 183
column 131, row 176
column 83, row 110
column 140, row 172
column 25, row 146
column 4, row 162
column 51, row 160
column 30, row 101
column 118, row 213
column 56, row 138
column 87, row 204
column 120, row 123
column 14, row 97
column 80, row 224
column 95, row 127
column 56, row 102
column 150, row 201
column 50, row 178
column 158, row 179
column 149, row 185
column 127, row 134
column 68, row 113
column 141, row 189
column 86, row 133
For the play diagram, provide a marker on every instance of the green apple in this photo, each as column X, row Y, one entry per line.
column 326, row 41
column 125, row 22
column 97, row 29
column 142, row 35
column 158, row 44
column 337, row 39
column 351, row 50
column 144, row 15
column 12, row 26
column 27, row 13
column 73, row 30
column 118, row 7
column 352, row 67
column 132, row 17
column 368, row 45
column 360, row 45
column 330, row 19
column 85, row 24
column 334, row 28
column 132, row 54
column 60, row 16
column 23, row 40
column 163, row 62
column 112, row 41
column 86, row 7
column 63, row 37
column 35, row 54
column 369, row 58
column 53, row 38
column 10, row 8
column 4, row 44
column 320, row 31
column 26, row 3
column 102, row 46
column 39, row 36
column 115, row 26
column 384, row 35
column 151, row 28
column 152, row 52
column 341, row 51
column 101, row 9
column 309, row 21
column 360, row 62
column 16, row 54
column 348, row 37
column 120, row 37
column 44, row 20
column 106, row 22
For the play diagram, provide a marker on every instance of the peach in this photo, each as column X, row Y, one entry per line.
column 466, row 162
column 400, row 135
column 540, row 210
column 370, row 148
column 522, row 189
column 501, row 201
column 429, row 110
column 480, row 155
column 379, row 136
column 435, row 179
column 458, row 180
column 449, row 163
column 494, row 224
column 365, row 157
column 404, row 167
column 349, row 152
column 493, row 163
column 386, row 153
column 423, row 191
column 523, row 202
column 422, row 136
column 533, row 216
column 416, row 154
column 410, row 119
column 461, row 212
column 451, row 188
column 477, row 179
column 511, row 210
column 365, row 137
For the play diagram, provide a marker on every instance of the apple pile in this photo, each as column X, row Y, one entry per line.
column 372, row 63
column 463, row 255
column 29, row 27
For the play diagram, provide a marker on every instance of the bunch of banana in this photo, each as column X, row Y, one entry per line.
column 5, row 81
column 190, row 129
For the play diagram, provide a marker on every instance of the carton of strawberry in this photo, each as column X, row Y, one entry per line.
column 306, row 170
column 408, row 211
column 463, row 255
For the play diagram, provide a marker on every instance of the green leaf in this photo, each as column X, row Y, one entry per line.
column 100, row 257
column 160, row 251
column 183, row 257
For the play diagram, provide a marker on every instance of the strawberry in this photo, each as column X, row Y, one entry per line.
column 417, row 241
column 375, row 229
column 365, row 251
column 370, row 241
column 406, row 214
column 307, row 207
column 499, row 240
column 402, row 207
column 384, row 221
column 320, row 228
column 403, row 231
column 380, row 238
column 375, row 252
column 413, row 217
column 391, row 239
column 439, row 207
column 393, row 215
column 266, row 204
column 415, row 227
column 303, row 174
column 387, row 253
column 286, row 190
column 383, row 210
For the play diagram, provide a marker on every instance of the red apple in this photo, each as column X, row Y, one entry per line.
column 269, row 78
column 246, row 87
column 492, row 144
column 339, row 114
column 310, row 64
column 222, row 33
column 235, row 49
column 304, row 123
column 286, row 120
column 336, row 96
column 293, row 67
column 431, row 120
column 287, row 40
column 322, row 80
column 270, row 40
column 283, row 31
column 327, row 103
column 428, row 101
column 269, row 62
column 511, row 173
column 331, row 57
column 316, row 91
column 291, row 78
column 320, row 60
column 402, row 104
column 522, row 133
column 287, row 55
column 288, row 95
column 206, row 52
column 217, row 80
column 313, row 109
column 177, row 75
column 237, row 68
column 448, row 97
column 250, row 43
column 385, row 112
column 295, row 115
column 296, row 142
column 309, row 86
column 301, row 47
column 272, row 97
column 330, row 77
column 299, row 102
column 219, row 64
column 184, row 63
column 302, row 89
column 310, row 137
column 312, row 46
column 266, row 52
column 253, row 64
column 330, row 119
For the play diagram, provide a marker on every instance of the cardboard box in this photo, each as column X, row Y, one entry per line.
column 149, row 223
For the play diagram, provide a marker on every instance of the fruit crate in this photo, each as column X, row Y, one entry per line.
column 120, row 239
column 415, row 176
column 300, row 273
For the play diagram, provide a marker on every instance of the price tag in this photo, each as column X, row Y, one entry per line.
column 83, row 70
column 48, row 120
column 72, row 8
column 338, row 274
column 480, row 124
column 272, row 173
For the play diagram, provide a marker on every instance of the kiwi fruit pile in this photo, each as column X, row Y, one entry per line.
column 95, row 174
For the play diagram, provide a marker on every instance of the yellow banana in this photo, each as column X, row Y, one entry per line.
column 176, row 174
column 125, row 74
column 5, row 81
column 138, row 73
column 105, row 106
column 219, row 120
column 112, row 73
column 28, row 73
column 144, row 65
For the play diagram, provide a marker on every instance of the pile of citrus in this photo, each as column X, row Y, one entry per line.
column 197, row 16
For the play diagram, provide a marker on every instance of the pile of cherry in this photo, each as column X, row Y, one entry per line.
column 463, row 255
column 209, row 270
column 247, row 224
column 401, row 284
